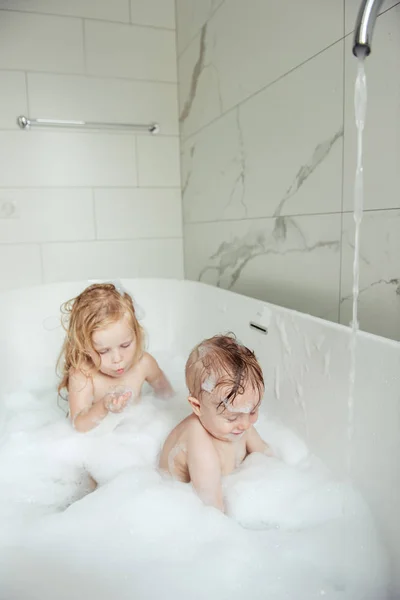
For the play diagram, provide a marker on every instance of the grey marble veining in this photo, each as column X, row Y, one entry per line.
column 252, row 162
column 395, row 281
column 319, row 155
column 293, row 262
column 191, row 16
column 189, row 171
column 243, row 43
column 379, row 296
column 194, row 81
column 238, row 193
column 231, row 258
column 268, row 157
column 235, row 256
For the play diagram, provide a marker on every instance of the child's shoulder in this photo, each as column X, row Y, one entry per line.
column 148, row 362
column 189, row 428
column 195, row 432
column 79, row 377
column 146, row 357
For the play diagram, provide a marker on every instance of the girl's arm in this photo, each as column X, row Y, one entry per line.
column 156, row 378
column 85, row 415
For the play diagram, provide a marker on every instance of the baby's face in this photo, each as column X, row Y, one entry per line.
column 116, row 346
column 229, row 421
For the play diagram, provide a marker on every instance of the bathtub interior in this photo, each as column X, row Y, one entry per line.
column 305, row 362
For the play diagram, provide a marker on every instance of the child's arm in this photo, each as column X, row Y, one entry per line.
column 254, row 443
column 205, row 470
column 156, row 377
column 84, row 414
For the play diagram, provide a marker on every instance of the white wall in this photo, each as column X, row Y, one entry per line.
column 73, row 204
column 268, row 143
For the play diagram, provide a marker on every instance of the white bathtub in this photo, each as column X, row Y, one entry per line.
column 305, row 362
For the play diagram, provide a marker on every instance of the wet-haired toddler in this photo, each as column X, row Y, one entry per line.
column 226, row 386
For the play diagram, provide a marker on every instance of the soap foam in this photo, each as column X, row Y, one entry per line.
column 142, row 535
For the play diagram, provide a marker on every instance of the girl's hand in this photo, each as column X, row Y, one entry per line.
column 115, row 401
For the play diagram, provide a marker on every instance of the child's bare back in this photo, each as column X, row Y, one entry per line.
column 190, row 437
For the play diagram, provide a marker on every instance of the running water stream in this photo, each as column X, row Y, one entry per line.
column 360, row 105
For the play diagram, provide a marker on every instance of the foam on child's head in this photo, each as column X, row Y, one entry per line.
column 243, row 409
column 209, row 384
column 99, row 305
column 115, row 282
column 222, row 362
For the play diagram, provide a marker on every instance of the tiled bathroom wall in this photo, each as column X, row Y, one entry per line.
column 266, row 92
column 88, row 204
column 267, row 142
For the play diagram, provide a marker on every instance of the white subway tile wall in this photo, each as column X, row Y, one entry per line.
column 128, row 213
column 31, row 42
column 159, row 13
column 102, row 99
column 13, row 100
column 130, row 51
column 83, row 204
column 117, row 10
column 146, row 258
column 158, row 161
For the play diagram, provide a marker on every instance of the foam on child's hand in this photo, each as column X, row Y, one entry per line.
column 117, row 391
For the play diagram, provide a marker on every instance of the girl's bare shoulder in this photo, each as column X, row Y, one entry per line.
column 79, row 378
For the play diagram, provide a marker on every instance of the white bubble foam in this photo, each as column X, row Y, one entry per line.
column 245, row 409
column 209, row 384
column 142, row 535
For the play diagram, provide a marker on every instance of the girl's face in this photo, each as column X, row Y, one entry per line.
column 116, row 346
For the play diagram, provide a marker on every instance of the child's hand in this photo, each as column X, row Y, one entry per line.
column 115, row 401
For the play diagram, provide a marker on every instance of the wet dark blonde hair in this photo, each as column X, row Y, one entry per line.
column 98, row 306
column 228, row 364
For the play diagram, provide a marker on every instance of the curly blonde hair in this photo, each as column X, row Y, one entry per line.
column 98, row 306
